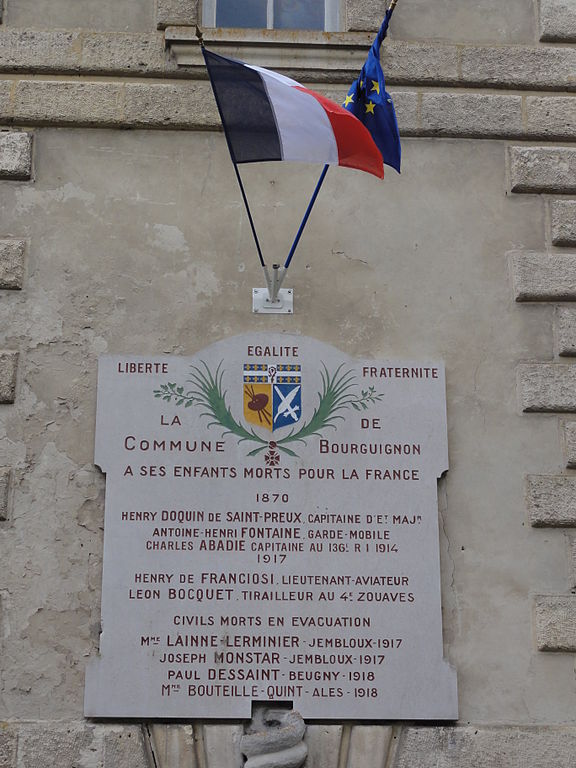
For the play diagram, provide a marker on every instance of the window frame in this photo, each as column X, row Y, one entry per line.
column 332, row 14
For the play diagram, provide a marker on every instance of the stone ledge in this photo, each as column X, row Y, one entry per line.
column 189, row 105
column 5, row 480
column 338, row 57
column 485, row 747
column 12, row 264
column 15, row 155
column 551, row 501
column 564, row 223
column 558, row 21
column 565, row 331
column 555, row 620
column 543, row 276
column 570, row 444
column 543, row 169
column 8, row 369
column 313, row 57
column 547, row 388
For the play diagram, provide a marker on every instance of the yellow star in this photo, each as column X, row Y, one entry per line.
column 375, row 86
column 349, row 100
column 370, row 107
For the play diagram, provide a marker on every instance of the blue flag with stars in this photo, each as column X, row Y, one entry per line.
column 372, row 105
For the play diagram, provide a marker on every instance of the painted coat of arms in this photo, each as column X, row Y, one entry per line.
column 272, row 399
column 272, row 395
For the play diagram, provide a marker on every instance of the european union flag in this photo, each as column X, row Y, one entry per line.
column 372, row 105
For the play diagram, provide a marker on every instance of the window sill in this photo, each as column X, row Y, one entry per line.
column 307, row 55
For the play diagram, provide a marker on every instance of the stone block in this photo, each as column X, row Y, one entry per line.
column 54, row 745
column 65, row 103
column 407, row 109
column 323, row 743
column 125, row 747
column 485, row 747
column 543, row 169
column 185, row 105
column 174, row 745
column 558, row 21
column 551, row 501
column 142, row 54
column 8, row 368
column 420, row 63
column 369, row 746
column 551, row 117
column 35, row 50
column 519, row 67
column 466, row 115
column 12, row 264
column 547, row 387
column 555, row 619
column 570, row 443
column 15, row 155
column 5, row 479
column 565, row 331
column 364, row 15
column 8, row 745
column 110, row 15
column 543, row 276
column 564, row 223
column 176, row 12
column 222, row 744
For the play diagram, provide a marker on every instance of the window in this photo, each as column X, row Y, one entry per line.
column 272, row 14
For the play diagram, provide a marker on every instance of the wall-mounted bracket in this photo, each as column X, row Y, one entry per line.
column 261, row 304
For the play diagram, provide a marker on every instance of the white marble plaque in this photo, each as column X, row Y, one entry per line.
column 271, row 534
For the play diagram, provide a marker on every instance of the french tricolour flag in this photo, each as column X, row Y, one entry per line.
column 267, row 116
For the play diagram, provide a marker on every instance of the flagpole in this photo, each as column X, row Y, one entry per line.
column 288, row 261
column 238, row 177
column 306, row 216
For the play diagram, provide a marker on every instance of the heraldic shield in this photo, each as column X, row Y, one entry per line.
column 272, row 395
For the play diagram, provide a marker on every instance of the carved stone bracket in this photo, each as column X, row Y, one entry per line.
column 274, row 739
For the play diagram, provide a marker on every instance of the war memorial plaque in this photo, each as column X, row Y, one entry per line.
column 271, row 534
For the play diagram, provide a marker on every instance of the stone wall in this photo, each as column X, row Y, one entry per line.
column 134, row 241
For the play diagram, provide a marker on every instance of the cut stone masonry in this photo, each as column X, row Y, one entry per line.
column 551, row 500
column 5, row 477
column 12, row 264
column 564, row 223
column 565, row 328
column 558, row 21
column 547, row 387
column 15, row 155
column 169, row 12
column 570, row 443
column 8, row 368
column 555, row 618
column 550, row 387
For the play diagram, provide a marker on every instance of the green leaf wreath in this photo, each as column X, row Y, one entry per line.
column 206, row 390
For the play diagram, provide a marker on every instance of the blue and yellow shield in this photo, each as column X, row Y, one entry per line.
column 272, row 395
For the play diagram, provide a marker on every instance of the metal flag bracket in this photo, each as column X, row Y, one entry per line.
column 273, row 300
